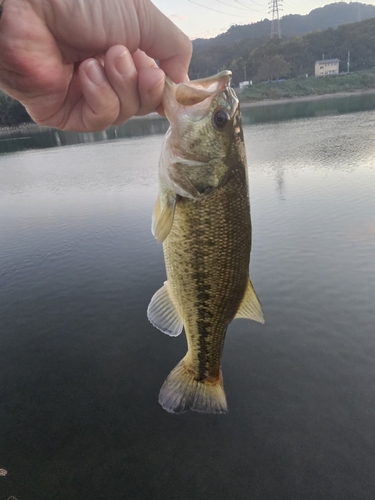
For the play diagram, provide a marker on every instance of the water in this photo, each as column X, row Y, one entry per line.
column 81, row 366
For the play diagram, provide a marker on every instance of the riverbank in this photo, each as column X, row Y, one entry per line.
column 312, row 87
column 309, row 98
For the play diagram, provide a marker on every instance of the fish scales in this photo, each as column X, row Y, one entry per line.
column 209, row 272
column 202, row 216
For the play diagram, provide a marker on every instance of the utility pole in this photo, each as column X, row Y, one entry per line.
column 348, row 63
column 275, row 7
column 244, row 70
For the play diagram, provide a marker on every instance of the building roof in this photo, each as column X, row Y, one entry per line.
column 327, row 61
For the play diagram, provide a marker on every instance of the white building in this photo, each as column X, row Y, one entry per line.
column 327, row 67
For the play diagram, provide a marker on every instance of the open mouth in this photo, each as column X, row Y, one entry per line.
column 196, row 91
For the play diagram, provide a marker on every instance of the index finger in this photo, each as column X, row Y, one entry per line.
column 161, row 39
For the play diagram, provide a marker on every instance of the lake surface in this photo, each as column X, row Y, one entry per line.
column 81, row 367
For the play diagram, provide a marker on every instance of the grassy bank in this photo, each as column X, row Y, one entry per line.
column 300, row 87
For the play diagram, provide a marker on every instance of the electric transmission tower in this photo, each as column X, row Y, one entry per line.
column 275, row 8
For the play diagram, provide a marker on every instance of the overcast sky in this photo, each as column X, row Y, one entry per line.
column 208, row 18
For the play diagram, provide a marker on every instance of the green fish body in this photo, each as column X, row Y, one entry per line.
column 202, row 216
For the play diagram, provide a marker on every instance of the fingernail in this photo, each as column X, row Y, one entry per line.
column 124, row 63
column 95, row 72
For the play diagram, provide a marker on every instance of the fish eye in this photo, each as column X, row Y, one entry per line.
column 220, row 119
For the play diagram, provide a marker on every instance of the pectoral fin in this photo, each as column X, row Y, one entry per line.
column 162, row 218
column 163, row 314
column 250, row 307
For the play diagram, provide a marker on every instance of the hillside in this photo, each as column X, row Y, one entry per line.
column 329, row 16
column 296, row 56
column 234, row 46
column 259, row 59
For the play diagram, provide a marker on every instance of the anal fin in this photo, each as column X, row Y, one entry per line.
column 162, row 313
column 250, row 307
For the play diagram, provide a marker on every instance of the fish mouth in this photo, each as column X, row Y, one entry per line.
column 194, row 98
column 196, row 91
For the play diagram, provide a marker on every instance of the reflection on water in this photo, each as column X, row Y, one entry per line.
column 35, row 137
column 310, row 109
column 81, row 366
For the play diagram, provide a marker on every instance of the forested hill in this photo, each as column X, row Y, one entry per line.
column 329, row 16
column 296, row 56
column 260, row 59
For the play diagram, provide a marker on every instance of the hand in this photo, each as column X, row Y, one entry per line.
column 87, row 64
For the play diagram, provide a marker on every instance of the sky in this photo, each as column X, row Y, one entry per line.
column 208, row 18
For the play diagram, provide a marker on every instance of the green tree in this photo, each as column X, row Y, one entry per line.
column 273, row 68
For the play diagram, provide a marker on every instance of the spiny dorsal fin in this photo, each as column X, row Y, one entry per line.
column 163, row 314
column 162, row 219
column 250, row 307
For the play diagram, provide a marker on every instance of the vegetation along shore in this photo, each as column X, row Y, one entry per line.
column 303, row 88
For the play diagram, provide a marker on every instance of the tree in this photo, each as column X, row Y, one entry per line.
column 273, row 68
column 238, row 69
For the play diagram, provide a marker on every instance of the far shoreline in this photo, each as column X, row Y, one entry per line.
column 33, row 127
column 307, row 98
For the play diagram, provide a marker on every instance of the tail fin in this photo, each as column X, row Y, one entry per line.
column 181, row 392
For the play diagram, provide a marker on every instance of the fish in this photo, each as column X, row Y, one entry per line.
column 202, row 218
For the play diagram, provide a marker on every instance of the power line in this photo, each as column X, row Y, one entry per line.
column 215, row 10
column 294, row 6
column 247, row 5
column 230, row 5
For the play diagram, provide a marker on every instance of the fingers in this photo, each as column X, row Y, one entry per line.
column 123, row 77
column 125, row 87
column 39, row 62
column 99, row 97
column 100, row 105
column 150, row 83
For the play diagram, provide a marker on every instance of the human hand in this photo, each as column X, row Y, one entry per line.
column 87, row 64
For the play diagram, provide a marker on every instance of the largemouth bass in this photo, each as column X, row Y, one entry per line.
column 202, row 216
